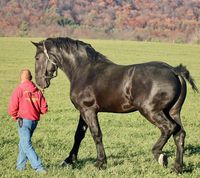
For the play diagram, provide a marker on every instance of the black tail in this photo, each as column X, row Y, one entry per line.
column 181, row 70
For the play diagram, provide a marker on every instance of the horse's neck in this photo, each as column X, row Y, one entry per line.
column 70, row 65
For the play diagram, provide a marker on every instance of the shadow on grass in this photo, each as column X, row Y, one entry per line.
column 192, row 150
column 81, row 163
column 120, row 157
column 189, row 151
column 191, row 167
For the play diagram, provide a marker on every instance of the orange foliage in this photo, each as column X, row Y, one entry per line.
column 158, row 18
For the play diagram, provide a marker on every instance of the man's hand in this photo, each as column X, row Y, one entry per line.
column 20, row 121
column 42, row 91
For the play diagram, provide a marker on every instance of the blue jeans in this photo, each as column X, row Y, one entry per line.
column 26, row 150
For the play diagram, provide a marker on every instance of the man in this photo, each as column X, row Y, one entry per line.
column 26, row 104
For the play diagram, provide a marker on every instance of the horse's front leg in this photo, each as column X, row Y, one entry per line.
column 79, row 135
column 92, row 121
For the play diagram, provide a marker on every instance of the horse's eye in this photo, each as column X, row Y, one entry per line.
column 37, row 58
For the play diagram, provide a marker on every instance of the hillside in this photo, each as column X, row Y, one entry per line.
column 152, row 20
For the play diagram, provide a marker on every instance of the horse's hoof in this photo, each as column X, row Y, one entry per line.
column 177, row 169
column 101, row 165
column 65, row 164
column 163, row 160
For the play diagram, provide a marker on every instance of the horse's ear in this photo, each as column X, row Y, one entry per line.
column 34, row 43
column 37, row 45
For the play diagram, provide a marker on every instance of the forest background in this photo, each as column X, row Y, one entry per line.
column 142, row 20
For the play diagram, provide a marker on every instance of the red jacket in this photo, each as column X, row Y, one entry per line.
column 27, row 101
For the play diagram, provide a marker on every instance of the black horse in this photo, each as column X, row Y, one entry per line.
column 155, row 89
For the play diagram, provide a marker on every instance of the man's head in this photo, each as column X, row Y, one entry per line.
column 25, row 75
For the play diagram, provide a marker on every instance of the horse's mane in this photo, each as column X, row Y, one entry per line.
column 73, row 46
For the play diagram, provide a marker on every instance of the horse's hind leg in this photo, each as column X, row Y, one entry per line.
column 179, row 134
column 79, row 135
column 167, row 128
column 179, row 139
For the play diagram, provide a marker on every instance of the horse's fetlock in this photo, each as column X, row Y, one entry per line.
column 178, row 168
column 163, row 160
column 101, row 164
column 74, row 158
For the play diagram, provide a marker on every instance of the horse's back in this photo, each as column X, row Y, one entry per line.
column 115, row 88
column 139, row 85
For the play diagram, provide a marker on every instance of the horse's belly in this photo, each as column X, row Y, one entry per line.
column 116, row 106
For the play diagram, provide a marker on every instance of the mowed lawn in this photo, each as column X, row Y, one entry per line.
column 128, row 138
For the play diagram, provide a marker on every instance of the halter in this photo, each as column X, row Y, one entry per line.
column 48, row 59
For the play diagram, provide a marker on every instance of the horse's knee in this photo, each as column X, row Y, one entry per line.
column 97, row 137
column 173, row 128
column 183, row 134
column 180, row 137
column 166, row 131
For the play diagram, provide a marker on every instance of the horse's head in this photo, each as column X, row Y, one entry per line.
column 68, row 54
column 45, row 63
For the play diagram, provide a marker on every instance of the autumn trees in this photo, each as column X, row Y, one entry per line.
column 163, row 20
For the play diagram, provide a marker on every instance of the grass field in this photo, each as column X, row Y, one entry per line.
column 128, row 138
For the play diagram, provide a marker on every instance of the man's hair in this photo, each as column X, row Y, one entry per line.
column 25, row 74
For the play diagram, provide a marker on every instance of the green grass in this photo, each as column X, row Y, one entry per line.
column 128, row 138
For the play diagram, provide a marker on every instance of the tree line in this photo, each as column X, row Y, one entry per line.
column 156, row 20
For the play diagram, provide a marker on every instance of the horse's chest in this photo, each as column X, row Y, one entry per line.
column 84, row 98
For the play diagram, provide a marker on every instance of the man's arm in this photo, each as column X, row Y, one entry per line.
column 13, row 106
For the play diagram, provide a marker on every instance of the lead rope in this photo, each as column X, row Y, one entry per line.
column 46, row 54
column 48, row 59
